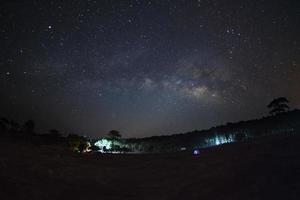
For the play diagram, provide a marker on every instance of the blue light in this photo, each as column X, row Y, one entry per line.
column 196, row 152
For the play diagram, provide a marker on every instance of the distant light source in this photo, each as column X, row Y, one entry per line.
column 182, row 148
column 196, row 151
column 104, row 144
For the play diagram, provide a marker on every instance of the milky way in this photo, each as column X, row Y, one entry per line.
column 146, row 67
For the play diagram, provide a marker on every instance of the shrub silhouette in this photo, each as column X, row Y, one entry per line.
column 55, row 133
column 14, row 127
column 77, row 143
column 4, row 125
column 28, row 127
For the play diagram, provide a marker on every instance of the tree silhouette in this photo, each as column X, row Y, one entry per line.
column 77, row 143
column 114, row 137
column 54, row 133
column 4, row 124
column 278, row 105
column 114, row 134
column 14, row 127
column 28, row 127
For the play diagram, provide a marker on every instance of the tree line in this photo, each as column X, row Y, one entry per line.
column 279, row 120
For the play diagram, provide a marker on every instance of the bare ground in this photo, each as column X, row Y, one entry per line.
column 265, row 169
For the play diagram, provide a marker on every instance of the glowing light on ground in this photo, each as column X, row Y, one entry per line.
column 196, row 152
column 104, row 144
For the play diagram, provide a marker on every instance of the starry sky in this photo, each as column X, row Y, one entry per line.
column 146, row 67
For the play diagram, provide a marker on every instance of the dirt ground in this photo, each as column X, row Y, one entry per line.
column 265, row 169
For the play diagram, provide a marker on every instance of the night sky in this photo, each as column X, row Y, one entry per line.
column 146, row 67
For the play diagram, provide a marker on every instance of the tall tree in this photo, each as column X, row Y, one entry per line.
column 114, row 134
column 278, row 105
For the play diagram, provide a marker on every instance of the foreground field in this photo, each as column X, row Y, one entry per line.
column 264, row 169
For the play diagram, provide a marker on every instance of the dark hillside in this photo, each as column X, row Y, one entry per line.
column 285, row 123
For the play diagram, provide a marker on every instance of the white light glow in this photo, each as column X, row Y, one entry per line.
column 104, row 144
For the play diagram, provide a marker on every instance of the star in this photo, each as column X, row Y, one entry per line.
column 146, row 62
